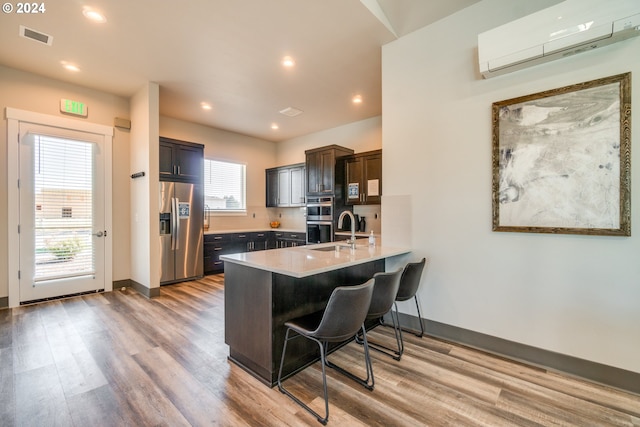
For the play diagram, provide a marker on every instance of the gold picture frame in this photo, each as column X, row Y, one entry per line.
column 562, row 160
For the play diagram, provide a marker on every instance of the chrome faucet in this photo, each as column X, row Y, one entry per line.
column 352, row 241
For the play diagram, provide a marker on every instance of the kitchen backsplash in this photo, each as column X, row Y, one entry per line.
column 290, row 218
column 371, row 213
column 259, row 217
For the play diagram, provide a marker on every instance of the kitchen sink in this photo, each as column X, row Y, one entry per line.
column 330, row 248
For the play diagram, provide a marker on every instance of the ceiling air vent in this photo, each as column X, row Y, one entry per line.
column 28, row 33
column 291, row 112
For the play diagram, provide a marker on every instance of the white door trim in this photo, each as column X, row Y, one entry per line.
column 14, row 117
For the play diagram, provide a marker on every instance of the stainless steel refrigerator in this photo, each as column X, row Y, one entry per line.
column 181, row 235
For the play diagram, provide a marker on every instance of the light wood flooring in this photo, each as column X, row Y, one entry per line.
column 119, row 359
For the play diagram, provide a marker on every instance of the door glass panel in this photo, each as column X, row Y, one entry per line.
column 63, row 192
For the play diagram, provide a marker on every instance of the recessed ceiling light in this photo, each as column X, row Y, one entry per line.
column 275, row 126
column 357, row 99
column 70, row 67
column 205, row 106
column 93, row 15
column 288, row 62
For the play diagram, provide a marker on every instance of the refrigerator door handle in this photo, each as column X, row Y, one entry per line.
column 176, row 228
column 174, row 224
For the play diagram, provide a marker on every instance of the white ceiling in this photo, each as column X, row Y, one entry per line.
column 227, row 53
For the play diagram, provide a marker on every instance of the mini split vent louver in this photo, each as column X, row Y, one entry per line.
column 566, row 29
column 34, row 35
column 291, row 112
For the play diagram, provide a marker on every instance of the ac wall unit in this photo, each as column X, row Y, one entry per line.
column 570, row 27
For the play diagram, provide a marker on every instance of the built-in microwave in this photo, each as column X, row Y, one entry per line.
column 319, row 232
column 320, row 208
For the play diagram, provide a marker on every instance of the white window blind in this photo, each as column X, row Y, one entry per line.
column 224, row 186
column 63, row 185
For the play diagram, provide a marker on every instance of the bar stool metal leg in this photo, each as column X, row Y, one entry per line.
column 369, row 381
column 395, row 353
column 320, row 418
column 419, row 335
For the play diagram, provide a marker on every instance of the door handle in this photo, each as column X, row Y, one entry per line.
column 99, row 234
column 176, row 228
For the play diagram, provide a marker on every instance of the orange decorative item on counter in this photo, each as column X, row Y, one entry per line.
column 274, row 224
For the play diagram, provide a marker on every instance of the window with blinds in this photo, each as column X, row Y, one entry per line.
column 224, row 186
column 63, row 185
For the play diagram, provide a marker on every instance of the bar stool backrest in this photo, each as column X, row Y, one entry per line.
column 384, row 293
column 410, row 280
column 345, row 312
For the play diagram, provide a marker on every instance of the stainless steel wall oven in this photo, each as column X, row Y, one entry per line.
column 320, row 219
column 320, row 208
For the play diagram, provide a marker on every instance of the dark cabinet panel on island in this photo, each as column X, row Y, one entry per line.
column 258, row 303
column 180, row 160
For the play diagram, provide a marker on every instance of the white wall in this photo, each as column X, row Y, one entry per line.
column 144, row 215
column 363, row 135
column 31, row 92
column 576, row 295
column 256, row 154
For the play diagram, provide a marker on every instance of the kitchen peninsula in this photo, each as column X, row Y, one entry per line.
column 265, row 289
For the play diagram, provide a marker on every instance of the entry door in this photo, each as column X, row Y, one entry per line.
column 61, row 230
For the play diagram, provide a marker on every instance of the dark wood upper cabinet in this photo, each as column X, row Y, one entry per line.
column 285, row 186
column 272, row 187
column 363, row 178
column 180, row 160
column 298, row 189
column 321, row 169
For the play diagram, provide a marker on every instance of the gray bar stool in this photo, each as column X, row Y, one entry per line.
column 340, row 321
column 409, row 284
column 384, row 295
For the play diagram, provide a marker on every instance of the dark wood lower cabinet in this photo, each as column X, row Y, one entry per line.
column 288, row 239
column 214, row 246
column 229, row 243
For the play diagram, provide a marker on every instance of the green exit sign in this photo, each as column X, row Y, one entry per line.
column 73, row 107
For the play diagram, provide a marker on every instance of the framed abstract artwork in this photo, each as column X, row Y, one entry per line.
column 561, row 160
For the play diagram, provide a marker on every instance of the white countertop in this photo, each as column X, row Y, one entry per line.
column 253, row 230
column 303, row 261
